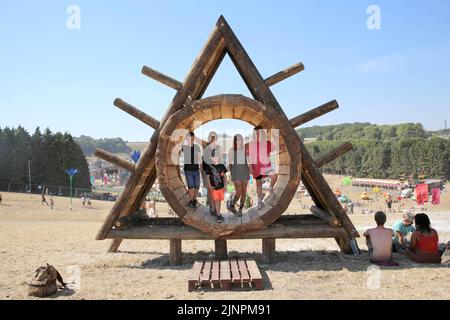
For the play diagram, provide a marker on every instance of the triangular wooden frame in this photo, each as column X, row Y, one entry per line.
column 221, row 41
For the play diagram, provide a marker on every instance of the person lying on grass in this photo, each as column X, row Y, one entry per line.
column 379, row 241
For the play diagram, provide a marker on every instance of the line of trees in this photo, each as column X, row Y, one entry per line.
column 383, row 151
column 113, row 145
column 50, row 154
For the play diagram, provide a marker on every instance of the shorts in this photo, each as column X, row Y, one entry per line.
column 218, row 195
column 192, row 179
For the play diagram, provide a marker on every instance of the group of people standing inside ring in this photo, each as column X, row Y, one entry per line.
column 244, row 159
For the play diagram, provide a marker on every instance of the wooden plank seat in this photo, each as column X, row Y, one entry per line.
column 225, row 274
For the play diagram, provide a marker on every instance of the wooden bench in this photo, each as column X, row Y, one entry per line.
column 225, row 274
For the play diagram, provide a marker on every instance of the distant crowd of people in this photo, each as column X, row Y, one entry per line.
column 412, row 235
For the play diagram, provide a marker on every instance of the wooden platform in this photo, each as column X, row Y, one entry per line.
column 287, row 226
column 225, row 275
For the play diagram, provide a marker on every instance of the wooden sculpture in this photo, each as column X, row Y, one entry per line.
column 186, row 111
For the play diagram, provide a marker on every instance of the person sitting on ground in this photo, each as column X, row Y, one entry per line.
column 424, row 246
column 379, row 240
column 403, row 230
column 217, row 180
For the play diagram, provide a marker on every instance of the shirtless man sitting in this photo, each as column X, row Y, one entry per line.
column 379, row 241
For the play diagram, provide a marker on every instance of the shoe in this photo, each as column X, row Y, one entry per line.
column 220, row 218
column 232, row 207
column 212, row 211
column 191, row 204
column 260, row 205
column 240, row 212
column 195, row 203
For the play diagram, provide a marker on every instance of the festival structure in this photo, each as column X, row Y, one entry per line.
column 187, row 111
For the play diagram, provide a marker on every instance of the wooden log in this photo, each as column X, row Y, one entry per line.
column 325, row 198
column 252, row 107
column 221, row 249
column 175, row 252
column 314, row 113
column 190, row 233
column 325, row 216
column 284, row 74
column 162, row 78
column 115, row 244
column 113, row 159
column 334, row 154
column 246, row 68
column 138, row 114
column 268, row 249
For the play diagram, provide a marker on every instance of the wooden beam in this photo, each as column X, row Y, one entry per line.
column 314, row 113
column 190, row 233
column 111, row 158
column 268, row 249
column 286, row 73
column 221, row 249
column 162, row 78
column 175, row 252
column 114, row 246
column 334, row 154
column 325, row 216
column 135, row 112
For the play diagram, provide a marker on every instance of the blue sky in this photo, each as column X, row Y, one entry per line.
column 64, row 79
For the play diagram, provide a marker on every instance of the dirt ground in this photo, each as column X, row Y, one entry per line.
column 32, row 235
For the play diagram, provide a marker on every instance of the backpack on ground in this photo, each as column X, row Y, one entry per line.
column 43, row 283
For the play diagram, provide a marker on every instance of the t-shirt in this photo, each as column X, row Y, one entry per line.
column 191, row 155
column 400, row 227
column 216, row 174
column 259, row 157
column 209, row 152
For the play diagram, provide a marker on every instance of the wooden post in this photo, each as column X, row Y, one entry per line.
column 326, row 216
column 111, row 158
column 334, row 154
column 268, row 249
column 286, row 73
column 135, row 112
column 314, row 113
column 162, row 78
column 175, row 252
column 115, row 244
column 221, row 249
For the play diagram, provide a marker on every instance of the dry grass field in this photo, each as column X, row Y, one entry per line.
column 32, row 235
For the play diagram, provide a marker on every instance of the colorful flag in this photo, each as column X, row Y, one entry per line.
column 421, row 193
column 436, row 196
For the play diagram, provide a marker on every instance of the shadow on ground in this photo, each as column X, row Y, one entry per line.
column 286, row 261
